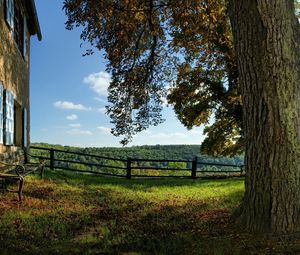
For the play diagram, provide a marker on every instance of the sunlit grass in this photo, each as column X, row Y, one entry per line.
column 83, row 214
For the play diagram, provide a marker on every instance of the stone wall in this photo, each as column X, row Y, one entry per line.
column 15, row 155
column 14, row 74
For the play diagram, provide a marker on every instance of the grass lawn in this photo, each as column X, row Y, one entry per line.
column 84, row 214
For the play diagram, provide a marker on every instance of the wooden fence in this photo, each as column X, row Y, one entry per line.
column 131, row 167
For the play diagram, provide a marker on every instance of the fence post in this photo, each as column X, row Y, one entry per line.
column 51, row 159
column 242, row 169
column 194, row 168
column 42, row 171
column 128, row 169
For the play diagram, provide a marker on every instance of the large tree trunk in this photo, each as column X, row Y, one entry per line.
column 266, row 39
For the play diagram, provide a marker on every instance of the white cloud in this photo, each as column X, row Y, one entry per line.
column 102, row 110
column 76, row 131
column 98, row 82
column 59, row 127
column 169, row 135
column 196, row 132
column 99, row 99
column 104, row 130
column 75, row 125
column 70, row 106
column 72, row 117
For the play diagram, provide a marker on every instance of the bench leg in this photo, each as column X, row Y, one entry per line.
column 21, row 184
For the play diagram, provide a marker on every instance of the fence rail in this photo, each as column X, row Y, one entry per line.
column 128, row 168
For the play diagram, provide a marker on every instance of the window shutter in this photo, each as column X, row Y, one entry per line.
column 10, row 13
column 1, row 112
column 25, row 37
column 9, row 118
column 25, row 127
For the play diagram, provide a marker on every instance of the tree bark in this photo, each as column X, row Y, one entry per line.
column 266, row 39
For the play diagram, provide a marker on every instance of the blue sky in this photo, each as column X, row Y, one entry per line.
column 68, row 92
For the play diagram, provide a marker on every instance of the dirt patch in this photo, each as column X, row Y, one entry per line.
column 40, row 193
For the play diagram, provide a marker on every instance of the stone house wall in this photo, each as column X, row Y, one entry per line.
column 14, row 75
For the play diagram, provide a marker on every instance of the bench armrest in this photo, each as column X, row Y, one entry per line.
column 19, row 169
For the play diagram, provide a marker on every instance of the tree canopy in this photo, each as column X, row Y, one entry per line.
column 155, row 49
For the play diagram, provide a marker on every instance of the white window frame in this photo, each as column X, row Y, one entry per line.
column 9, row 118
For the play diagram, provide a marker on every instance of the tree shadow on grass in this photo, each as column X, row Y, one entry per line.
column 89, row 221
column 112, row 225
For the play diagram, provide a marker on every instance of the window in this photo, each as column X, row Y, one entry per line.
column 17, row 23
column 13, row 120
column 8, row 118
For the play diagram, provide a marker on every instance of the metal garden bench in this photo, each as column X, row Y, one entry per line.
column 17, row 172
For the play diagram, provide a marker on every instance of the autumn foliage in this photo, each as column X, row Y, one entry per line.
column 155, row 49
